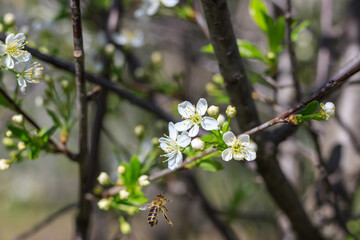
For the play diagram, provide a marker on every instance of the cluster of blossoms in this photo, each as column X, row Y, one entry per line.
column 180, row 134
column 15, row 58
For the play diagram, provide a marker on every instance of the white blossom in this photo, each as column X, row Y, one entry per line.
column 123, row 194
column 28, row 72
column 19, row 119
column 329, row 109
column 194, row 118
column 104, row 204
column 4, row 164
column 21, row 146
column 239, row 147
column 221, row 119
column 171, row 145
column 150, row 7
column 230, row 111
column 121, row 169
column 129, row 38
column 13, row 49
column 144, row 181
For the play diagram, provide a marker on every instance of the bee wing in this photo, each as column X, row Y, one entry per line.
column 146, row 206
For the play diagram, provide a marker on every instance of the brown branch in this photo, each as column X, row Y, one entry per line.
column 58, row 147
column 291, row 52
column 45, row 222
column 83, row 217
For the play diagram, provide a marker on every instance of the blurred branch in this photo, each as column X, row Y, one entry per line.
column 58, row 147
column 83, row 217
column 288, row 20
column 146, row 105
column 45, row 222
column 354, row 141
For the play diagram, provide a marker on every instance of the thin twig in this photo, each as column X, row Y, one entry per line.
column 58, row 147
column 295, row 79
column 83, row 217
column 45, row 222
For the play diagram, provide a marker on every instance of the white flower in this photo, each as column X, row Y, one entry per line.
column 123, row 194
column 144, row 181
column 104, row 204
column 239, row 148
column 103, row 178
column 19, row 119
column 213, row 111
column 329, row 109
column 8, row 133
column 13, row 49
column 21, row 146
column 9, row 18
column 171, row 145
column 230, row 111
column 4, row 164
column 28, row 72
column 121, row 169
column 193, row 118
column 221, row 119
column 150, row 7
column 197, row 144
column 129, row 38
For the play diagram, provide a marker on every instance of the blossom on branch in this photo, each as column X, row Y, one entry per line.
column 172, row 145
column 239, row 147
column 194, row 118
column 13, row 49
column 28, row 72
column 150, row 7
column 327, row 110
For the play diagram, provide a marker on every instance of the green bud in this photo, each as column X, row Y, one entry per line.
column 65, row 84
column 210, row 88
column 8, row 142
column 125, row 227
column 213, row 111
column 139, row 131
column 218, row 79
column 231, row 111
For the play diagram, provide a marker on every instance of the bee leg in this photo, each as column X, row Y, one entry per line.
column 156, row 222
column 166, row 217
column 166, row 208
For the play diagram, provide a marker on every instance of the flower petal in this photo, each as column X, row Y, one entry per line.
column 22, row 83
column 239, row 156
column 9, row 62
column 20, row 37
column 229, row 138
column 186, row 109
column 183, row 125
column 9, row 38
column 194, row 131
column 250, row 154
column 209, row 123
column 244, row 139
column 226, row 154
column 20, row 67
column 170, row 3
column 172, row 131
column 2, row 49
column 183, row 140
column 201, row 106
column 175, row 161
column 23, row 56
column 153, row 8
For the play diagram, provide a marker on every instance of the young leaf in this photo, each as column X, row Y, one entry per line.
column 55, row 119
column 257, row 10
column 207, row 48
column 210, row 165
column 248, row 50
column 310, row 108
column 298, row 29
column 19, row 133
column 276, row 33
column 133, row 171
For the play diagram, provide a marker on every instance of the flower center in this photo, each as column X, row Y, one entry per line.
column 14, row 49
column 237, row 147
column 195, row 118
column 34, row 72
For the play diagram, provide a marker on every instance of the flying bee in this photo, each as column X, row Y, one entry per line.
column 158, row 204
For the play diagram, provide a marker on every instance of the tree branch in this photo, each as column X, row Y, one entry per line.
column 83, row 217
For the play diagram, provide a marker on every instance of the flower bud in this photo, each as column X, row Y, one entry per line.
column 231, row 111
column 328, row 110
column 109, row 49
column 123, row 194
column 144, row 181
column 218, row 79
column 155, row 141
column 19, row 119
column 121, row 169
column 213, row 111
column 125, row 227
column 210, row 88
column 8, row 133
column 139, row 131
column 197, row 144
column 270, row 55
column 156, row 58
column 21, row 146
column 65, row 84
column 221, row 119
column 104, row 204
column 9, row 19
column 4, row 164
column 103, row 178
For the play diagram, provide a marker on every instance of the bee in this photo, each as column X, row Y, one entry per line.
column 158, row 204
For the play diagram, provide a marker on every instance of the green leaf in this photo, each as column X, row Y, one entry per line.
column 276, row 33
column 19, row 133
column 55, row 119
column 34, row 152
column 49, row 133
column 207, row 49
column 210, row 165
column 132, row 173
column 310, row 108
column 248, row 50
column 298, row 29
column 258, row 12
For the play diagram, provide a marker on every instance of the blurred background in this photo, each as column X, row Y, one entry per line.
column 162, row 61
